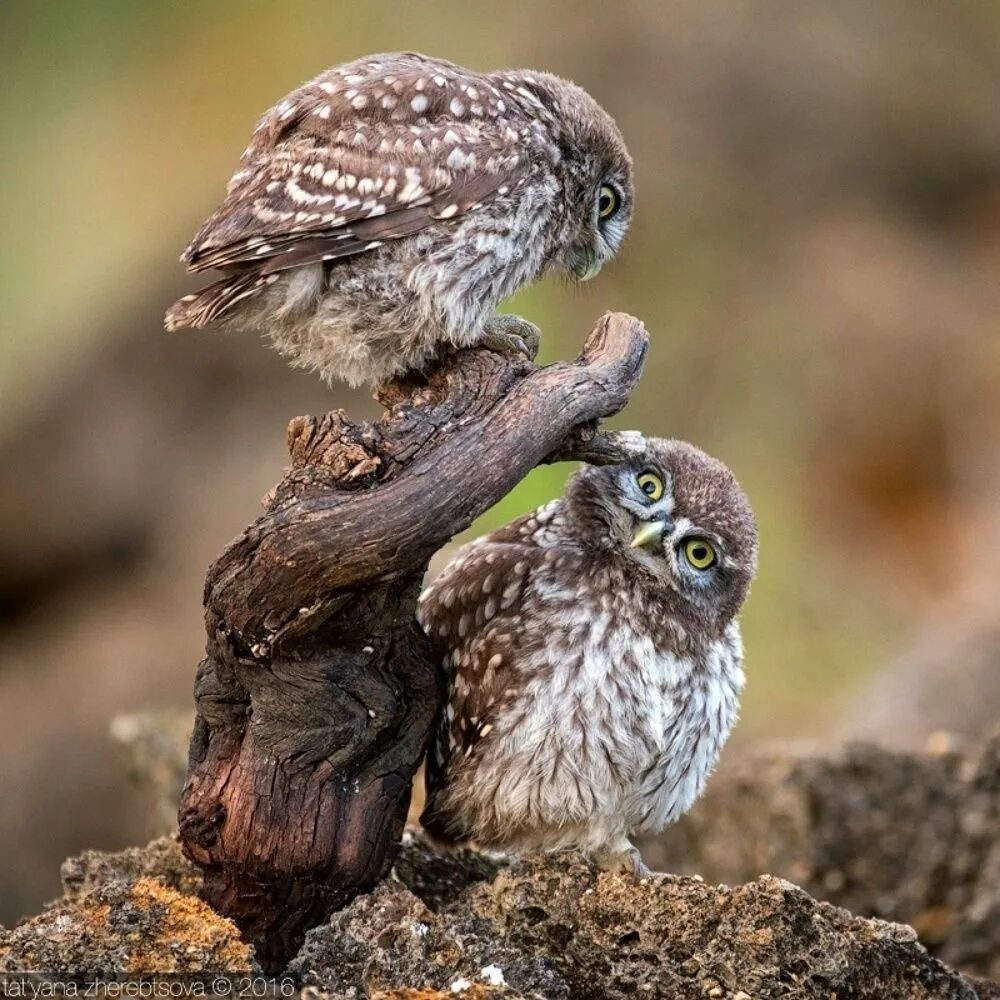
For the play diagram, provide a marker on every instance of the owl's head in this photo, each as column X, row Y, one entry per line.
column 596, row 171
column 679, row 518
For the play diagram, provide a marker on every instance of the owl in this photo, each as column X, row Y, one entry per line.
column 594, row 659
column 384, row 210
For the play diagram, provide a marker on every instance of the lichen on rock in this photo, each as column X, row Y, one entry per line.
column 126, row 927
column 162, row 859
column 545, row 928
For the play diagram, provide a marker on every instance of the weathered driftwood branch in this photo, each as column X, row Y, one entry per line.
column 318, row 692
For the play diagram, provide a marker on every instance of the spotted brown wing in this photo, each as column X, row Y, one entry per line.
column 367, row 152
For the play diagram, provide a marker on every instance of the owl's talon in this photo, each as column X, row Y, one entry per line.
column 628, row 861
column 512, row 336
column 639, row 867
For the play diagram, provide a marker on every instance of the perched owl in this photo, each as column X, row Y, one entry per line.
column 387, row 207
column 594, row 659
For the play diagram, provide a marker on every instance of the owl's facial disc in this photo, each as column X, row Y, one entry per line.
column 665, row 541
column 606, row 214
column 677, row 518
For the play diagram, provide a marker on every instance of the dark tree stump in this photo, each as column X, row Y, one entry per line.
column 318, row 692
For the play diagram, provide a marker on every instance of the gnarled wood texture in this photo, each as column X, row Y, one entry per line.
column 316, row 697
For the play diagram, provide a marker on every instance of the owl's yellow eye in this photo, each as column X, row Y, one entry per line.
column 651, row 484
column 607, row 202
column 699, row 553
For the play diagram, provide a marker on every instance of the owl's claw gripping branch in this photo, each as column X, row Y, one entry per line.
column 316, row 697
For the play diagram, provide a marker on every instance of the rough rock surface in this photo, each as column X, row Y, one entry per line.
column 125, row 927
column 472, row 928
column 162, row 859
column 553, row 927
column 906, row 837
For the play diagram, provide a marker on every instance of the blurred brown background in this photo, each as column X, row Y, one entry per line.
column 815, row 251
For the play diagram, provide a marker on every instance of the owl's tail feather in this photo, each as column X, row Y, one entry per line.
column 204, row 307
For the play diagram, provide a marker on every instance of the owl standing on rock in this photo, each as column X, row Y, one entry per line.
column 386, row 208
column 594, row 659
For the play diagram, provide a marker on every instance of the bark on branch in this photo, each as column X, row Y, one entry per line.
column 317, row 694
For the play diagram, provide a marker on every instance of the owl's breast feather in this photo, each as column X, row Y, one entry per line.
column 630, row 730
column 693, row 715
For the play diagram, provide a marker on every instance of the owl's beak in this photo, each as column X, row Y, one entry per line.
column 648, row 534
column 584, row 263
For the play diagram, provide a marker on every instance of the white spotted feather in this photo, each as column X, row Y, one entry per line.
column 420, row 194
column 587, row 702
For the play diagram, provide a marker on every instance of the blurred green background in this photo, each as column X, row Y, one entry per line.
column 815, row 252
